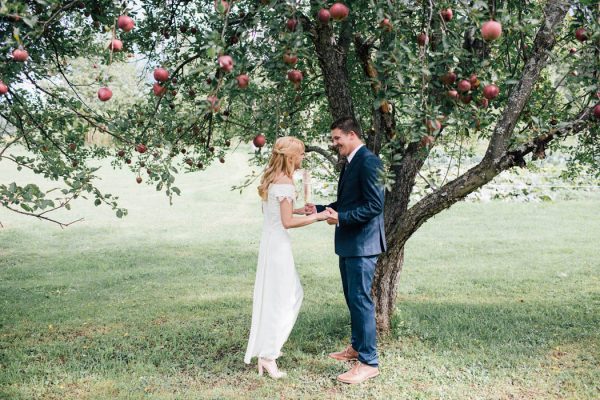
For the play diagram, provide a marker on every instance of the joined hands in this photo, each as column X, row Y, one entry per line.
column 329, row 214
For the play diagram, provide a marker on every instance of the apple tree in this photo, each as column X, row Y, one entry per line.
column 519, row 76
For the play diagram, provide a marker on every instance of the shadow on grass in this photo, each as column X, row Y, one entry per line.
column 206, row 334
column 210, row 339
column 498, row 333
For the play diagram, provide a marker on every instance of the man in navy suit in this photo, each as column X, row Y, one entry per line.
column 359, row 239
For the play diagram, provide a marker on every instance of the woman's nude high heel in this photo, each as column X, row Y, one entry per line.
column 271, row 367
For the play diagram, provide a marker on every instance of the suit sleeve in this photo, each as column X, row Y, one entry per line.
column 322, row 208
column 373, row 193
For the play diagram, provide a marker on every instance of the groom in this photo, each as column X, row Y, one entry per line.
column 359, row 239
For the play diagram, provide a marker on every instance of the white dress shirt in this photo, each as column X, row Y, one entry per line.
column 351, row 156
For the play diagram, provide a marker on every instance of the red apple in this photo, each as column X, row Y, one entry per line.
column 259, row 140
column 104, row 94
column 225, row 63
column 72, row 146
column 290, row 58
column 138, row 179
column 386, row 24
column 161, row 74
column 324, row 15
column 491, row 30
column 581, row 34
column 291, row 24
column 121, row 153
column 339, row 11
column 466, row 99
column 20, row 55
column 597, row 111
column 295, row 76
column 243, row 81
column 126, row 23
column 422, row 39
column 491, row 91
column 140, row 148
column 464, row 86
column 447, row 14
column 448, row 78
column 572, row 50
column 433, row 125
column 453, row 94
column 115, row 45
column 427, row 141
column 158, row 89
column 222, row 6
column 3, row 88
column 483, row 103
column 214, row 103
column 474, row 81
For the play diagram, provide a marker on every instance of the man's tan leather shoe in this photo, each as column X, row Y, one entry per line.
column 348, row 354
column 359, row 373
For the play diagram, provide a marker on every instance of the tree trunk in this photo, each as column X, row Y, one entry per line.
column 400, row 221
column 385, row 286
column 333, row 57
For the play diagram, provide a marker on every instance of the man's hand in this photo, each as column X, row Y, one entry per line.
column 333, row 218
column 310, row 208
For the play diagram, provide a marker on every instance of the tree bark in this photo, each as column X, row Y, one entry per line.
column 333, row 56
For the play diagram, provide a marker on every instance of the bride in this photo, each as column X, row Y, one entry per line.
column 277, row 289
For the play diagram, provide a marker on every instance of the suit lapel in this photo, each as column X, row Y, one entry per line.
column 349, row 166
column 342, row 173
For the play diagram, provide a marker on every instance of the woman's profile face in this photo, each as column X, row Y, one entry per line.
column 298, row 161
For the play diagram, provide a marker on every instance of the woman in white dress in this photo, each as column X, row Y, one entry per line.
column 277, row 289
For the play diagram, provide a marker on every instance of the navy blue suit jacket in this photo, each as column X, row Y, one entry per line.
column 360, row 231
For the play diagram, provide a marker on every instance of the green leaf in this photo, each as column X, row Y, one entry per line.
column 31, row 21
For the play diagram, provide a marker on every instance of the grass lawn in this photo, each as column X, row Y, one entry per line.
column 496, row 301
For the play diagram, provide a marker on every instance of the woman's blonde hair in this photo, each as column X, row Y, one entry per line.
column 283, row 159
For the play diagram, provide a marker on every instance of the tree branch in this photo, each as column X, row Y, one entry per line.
column 327, row 155
column 545, row 39
column 42, row 217
column 478, row 176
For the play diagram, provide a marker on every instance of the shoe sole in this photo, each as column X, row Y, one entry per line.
column 354, row 383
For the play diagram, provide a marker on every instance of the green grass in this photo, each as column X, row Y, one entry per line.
column 496, row 301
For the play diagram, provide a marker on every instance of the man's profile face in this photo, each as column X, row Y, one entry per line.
column 344, row 142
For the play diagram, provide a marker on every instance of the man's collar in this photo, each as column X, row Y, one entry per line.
column 351, row 156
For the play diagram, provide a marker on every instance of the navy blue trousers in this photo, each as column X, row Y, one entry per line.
column 357, row 277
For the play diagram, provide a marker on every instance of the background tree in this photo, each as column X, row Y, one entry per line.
column 521, row 76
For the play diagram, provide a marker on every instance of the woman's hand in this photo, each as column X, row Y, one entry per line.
column 323, row 215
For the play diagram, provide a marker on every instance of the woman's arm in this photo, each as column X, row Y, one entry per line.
column 300, row 211
column 288, row 220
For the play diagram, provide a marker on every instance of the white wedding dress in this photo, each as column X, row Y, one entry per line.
column 277, row 290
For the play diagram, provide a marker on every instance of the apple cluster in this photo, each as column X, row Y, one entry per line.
column 338, row 12
column 464, row 88
column 126, row 24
